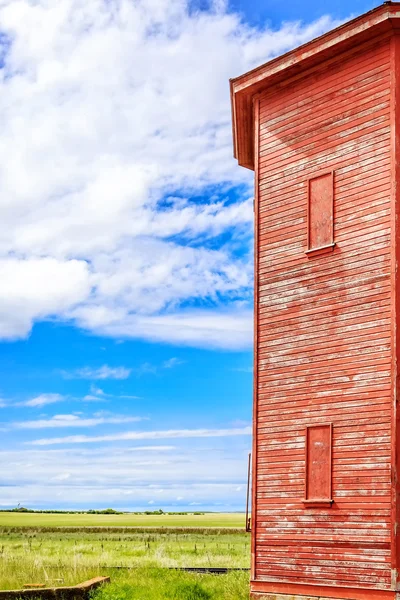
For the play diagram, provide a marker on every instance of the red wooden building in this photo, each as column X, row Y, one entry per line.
column 320, row 127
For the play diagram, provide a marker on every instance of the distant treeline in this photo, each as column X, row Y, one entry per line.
column 132, row 531
column 106, row 511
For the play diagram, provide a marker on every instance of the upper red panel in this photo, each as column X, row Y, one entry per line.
column 318, row 463
column 320, row 212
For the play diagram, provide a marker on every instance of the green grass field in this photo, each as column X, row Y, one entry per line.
column 156, row 584
column 58, row 557
column 13, row 519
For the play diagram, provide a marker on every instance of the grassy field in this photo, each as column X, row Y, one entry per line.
column 13, row 519
column 59, row 558
column 155, row 584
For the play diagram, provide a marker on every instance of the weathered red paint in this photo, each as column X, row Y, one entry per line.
column 320, row 127
column 320, row 208
column 318, row 468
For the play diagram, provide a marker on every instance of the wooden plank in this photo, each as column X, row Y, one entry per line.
column 323, row 326
column 395, row 287
column 253, row 568
column 295, row 323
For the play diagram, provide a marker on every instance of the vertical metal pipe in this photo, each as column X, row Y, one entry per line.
column 248, row 523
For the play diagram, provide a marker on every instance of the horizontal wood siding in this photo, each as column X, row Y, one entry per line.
column 324, row 332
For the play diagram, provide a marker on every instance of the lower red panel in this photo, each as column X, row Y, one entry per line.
column 258, row 588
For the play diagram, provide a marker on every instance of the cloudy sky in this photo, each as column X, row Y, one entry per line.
column 126, row 247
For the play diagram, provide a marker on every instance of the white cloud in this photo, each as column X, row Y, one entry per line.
column 145, row 369
column 148, row 368
column 103, row 372
column 129, row 476
column 114, row 118
column 62, row 476
column 172, row 362
column 97, row 391
column 99, row 395
column 62, row 421
column 34, row 288
column 42, row 400
column 219, row 329
column 146, row 435
column 128, row 301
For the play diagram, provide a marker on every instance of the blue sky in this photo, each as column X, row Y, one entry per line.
column 126, row 248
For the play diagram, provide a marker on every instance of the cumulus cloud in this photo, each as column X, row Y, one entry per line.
column 116, row 169
column 34, row 288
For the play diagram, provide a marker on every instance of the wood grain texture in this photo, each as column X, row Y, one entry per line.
column 395, row 314
column 318, row 468
column 254, row 508
column 346, row 40
column 323, row 328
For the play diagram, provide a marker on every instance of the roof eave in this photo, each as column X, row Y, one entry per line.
column 243, row 88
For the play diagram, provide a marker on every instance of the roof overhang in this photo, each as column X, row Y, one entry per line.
column 243, row 89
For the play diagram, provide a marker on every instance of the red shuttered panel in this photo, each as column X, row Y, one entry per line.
column 323, row 176
column 320, row 220
column 318, row 471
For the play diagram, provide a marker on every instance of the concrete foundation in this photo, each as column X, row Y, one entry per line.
column 76, row 592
